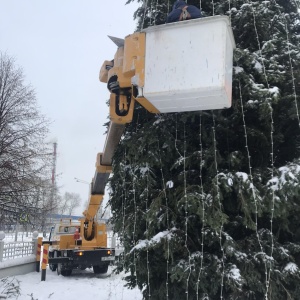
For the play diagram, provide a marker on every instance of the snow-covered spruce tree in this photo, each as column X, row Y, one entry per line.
column 207, row 203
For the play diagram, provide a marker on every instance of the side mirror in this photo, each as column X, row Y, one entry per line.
column 51, row 230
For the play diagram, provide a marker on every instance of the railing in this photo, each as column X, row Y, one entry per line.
column 12, row 250
column 21, row 236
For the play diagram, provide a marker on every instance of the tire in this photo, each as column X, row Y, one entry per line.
column 100, row 269
column 53, row 267
column 63, row 272
column 58, row 269
column 66, row 272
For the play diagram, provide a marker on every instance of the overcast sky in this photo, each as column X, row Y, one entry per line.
column 61, row 45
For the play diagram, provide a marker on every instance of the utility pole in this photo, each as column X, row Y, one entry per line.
column 53, row 179
column 53, row 189
column 54, row 163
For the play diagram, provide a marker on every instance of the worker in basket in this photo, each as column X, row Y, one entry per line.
column 182, row 11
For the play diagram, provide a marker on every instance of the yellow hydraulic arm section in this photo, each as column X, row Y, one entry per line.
column 103, row 170
column 128, row 65
column 128, row 82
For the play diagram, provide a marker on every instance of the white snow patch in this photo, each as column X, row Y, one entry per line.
column 159, row 120
column 264, row 256
column 238, row 70
column 196, row 255
column 141, row 244
column 80, row 285
column 240, row 255
column 227, row 236
column 230, row 182
column 154, row 240
column 252, row 102
column 245, row 6
column 258, row 66
column 144, row 170
column 284, row 251
column 287, row 176
column 274, row 91
column 170, row 184
column 291, row 268
column 179, row 161
column 235, row 273
column 258, row 86
column 164, row 234
column 274, row 182
column 242, row 175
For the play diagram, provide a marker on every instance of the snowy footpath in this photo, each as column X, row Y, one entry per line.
column 80, row 285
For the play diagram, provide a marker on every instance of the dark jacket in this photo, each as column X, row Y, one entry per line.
column 174, row 15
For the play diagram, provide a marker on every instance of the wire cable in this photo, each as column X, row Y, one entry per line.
column 220, row 205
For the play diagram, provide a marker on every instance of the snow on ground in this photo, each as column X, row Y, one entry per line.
column 80, row 285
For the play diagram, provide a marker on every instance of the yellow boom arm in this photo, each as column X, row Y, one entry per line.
column 166, row 70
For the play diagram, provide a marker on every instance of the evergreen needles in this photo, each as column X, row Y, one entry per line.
column 255, row 146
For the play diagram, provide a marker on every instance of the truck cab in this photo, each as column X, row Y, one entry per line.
column 68, row 250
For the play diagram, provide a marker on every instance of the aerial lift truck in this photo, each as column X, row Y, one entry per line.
column 177, row 67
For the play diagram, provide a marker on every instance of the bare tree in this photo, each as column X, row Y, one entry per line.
column 70, row 202
column 24, row 156
column 63, row 205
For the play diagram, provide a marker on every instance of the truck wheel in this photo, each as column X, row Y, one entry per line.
column 53, row 267
column 58, row 270
column 66, row 272
column 63, row 272
column 100, row 269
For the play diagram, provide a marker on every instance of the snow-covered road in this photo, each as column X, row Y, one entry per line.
column 80, row 285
